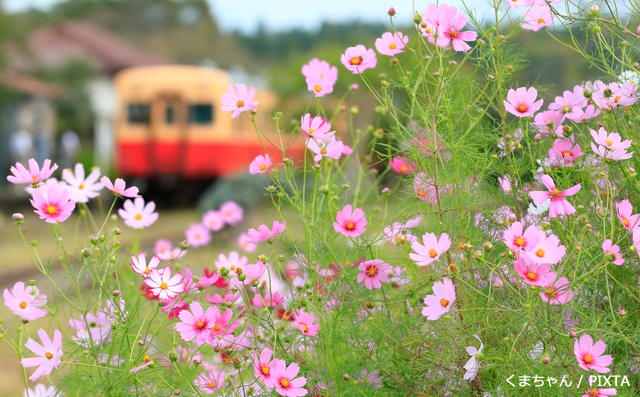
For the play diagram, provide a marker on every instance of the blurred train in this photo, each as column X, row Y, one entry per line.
column 170, row 126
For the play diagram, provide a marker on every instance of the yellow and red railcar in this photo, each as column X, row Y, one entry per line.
column 170, row 123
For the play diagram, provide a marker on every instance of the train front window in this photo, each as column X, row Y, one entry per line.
column 200, row 113
column 138, row 113
column 169, row 115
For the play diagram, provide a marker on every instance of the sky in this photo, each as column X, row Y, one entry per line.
column 246, row 15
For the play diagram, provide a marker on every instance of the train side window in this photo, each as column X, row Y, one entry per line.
column 138, row 113
column 200, row 113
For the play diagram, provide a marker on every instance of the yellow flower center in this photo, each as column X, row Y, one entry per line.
column 284, row 382
column 555, row 193
column 350, row 226
column 34, row 178
column 304, row 327
column 138, row 217
column 540, row 253
column 608, row 142
column 81, row 186
column 433, row 253
column 522, row 108
column 52, row 210
column 404, row 168
column 23, row 305
column 541, row 20
column 212, row 385
column 147, row 359
column 587, row 358
column 240, row 103
column 566, row 153
column 48, row 355
column 444, row 302
column 263, row 167
column 355, row 61
column 164, row 286
column 520, row 242
column 217, row 327
column 265, row 370
column 532, row 276
column 372, row 271
column 200, row 324
column 317, row 88
column 393, row 46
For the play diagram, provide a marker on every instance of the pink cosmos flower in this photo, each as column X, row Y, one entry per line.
column 589, row 354
column 26, row 302
column 261, row 164
column 435, row 16
column 316, row 127
column 209, row 382
column 249, row 275
column 197, row 235
column 600, row 392
column 163, row 285
column 358, row 59
column 557, row 292
column 580, row 115
column 559, row 204
column 431, row 248
column 625, row 214
column 285, row 381
column 269, row 300
column 213, row 220
column 450, row 33
column 548, row 250
column 564, row 152
column 425, row 188
column 373, row 273
column 41, row 390
column 391, row 44
column 92, row 329
column 305, row 322
column 505, row 183
column 233, row 262
column 402, row 166
column 222, row 326
column 52, row 203
column 440, row 302
column 34, row 175
column 331, row 148
column 119, row 188
column 227, row 300
column 48, row 354
column 607, row 154
column 138, row 215
column 549, row 122
column 232, row 213
column 610, row 145
column 263, row 233
column 262, row 367
column 140, row 265
column 162, row 245
column 569, row 102
column 522, row 102
column 239, row 98
column 612, row 250
column 244, row 242
column 517, row 240
column 398, row 233
column 533, row 273
column 196, row 324
column 82, row 189
column 320, row 77
column 171, row 254
column 537, row 17
column 350, row 222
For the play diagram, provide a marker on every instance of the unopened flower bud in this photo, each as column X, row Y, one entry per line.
column 270, row 188
column 417, row 18
column 354, row 110
column 391, row 12
column 546, row 360
column 353, row 87
column 622, row 312
column 116, row 292
column 385, row 190
column 18, row 217
column 572, row 334
column 594, row 9
column 346, row 377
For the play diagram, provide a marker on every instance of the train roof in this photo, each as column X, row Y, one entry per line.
column 138, row 81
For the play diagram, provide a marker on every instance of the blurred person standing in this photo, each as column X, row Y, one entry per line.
column 69, row 148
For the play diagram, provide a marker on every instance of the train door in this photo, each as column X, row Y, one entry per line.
column 168, row 135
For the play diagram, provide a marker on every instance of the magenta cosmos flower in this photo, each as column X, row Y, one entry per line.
column 600, row 392
column 316, row 127
column 221, row 327
column 518, row 240
column 196, row 324
column 613, row 251
column 52, row 203
column 548, row 250
column 450, row 34
column 589, row 354
column 320, row 77
column 557, row 292
column 209, row 382
column 33, row 175
column 244, row 242
column 82, row 188
column 401, row 165
column 431, row 248
column 358, row 59
column 198, row 235
column 285, row 381
column 350, row 222
column 262, row 233
column 140, row 265
column 163, row 285
column 559, row 204
column 439, row 303
column 391, row 44
column 138, row 215
column 374, row 273
column 261, row 164
column 238, row 99
column 119, row 188
column 262, row 367
column 331, row 148
column 47, row 353
column 232, row 213
column 305, row 322
column 564, row 152
column 534, row 273
column 522, row 102
column 26, row 302
column 626, row 216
